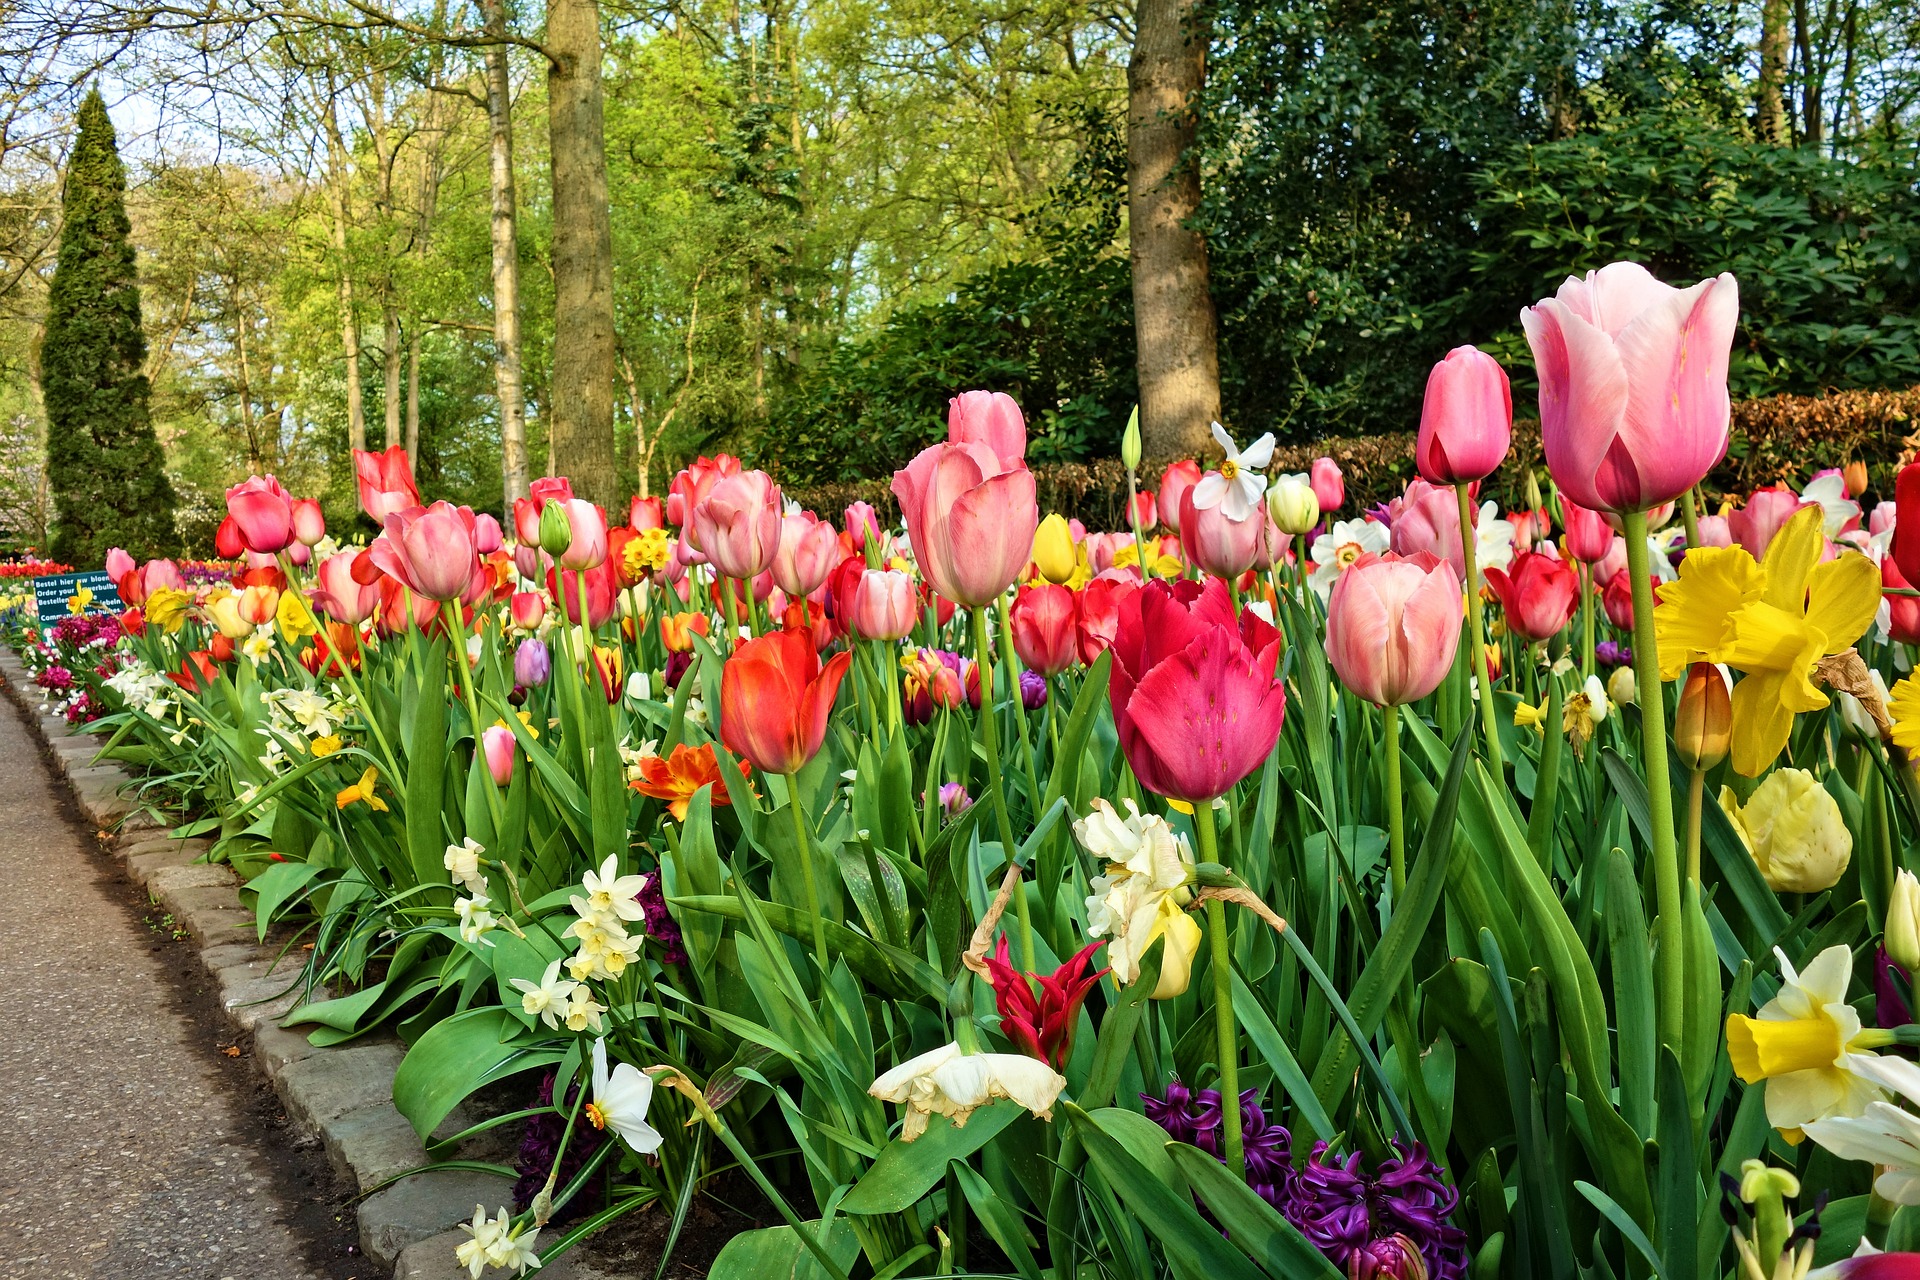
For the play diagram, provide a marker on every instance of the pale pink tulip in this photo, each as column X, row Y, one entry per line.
column 991, row 418
column 1174, row 483
column 809, row 550
column 1466, row 423
column 970, row 518
column 737, row 524
column 1393, row 623
column 1612, row 564
column 309, row 524
column 1715, row 531
column 587, row 547
column 497, row 742
column 885, row 605
column 1214, row 541
column 1766, row 510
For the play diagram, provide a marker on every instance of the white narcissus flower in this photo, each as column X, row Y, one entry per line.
column 1340, row 546
column 1837, row 510
column 475, row 920
column 463, row 864
column 620, row 1102
column 948, row 1082
column 1806, row 1044
column 1884, row 1135
column 547, row 998
column 496, row 1243
column 1237, row 486
column 610, row 893
column 583, row 1011
column 1141, row 896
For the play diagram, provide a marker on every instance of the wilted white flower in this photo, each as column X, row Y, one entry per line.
column 949, row 1083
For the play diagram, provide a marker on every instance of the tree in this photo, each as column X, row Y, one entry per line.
column 103, row 460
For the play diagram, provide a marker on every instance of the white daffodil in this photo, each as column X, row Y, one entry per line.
column 620, row 1102
column 1837, row 510
column 1237, row 486
column 1884, row 1135
column 610, row 894
column 259, row 646
column 583, row 1011
column 547, row 998
column 1807, row 1043
column 311, row 711
column 1340, row 546
column 605, row 952
column 496, row 1243
column 475, row 920
column 1140, row 897
column 463, row 864
column 949, row 1083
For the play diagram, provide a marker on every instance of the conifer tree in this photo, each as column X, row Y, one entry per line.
column 104, row 463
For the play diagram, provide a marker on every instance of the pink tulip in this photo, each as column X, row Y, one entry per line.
column 1537, row 594
column 487, row 535
column 970, row 518
column 1882, row 519
column 1271, row 546
column 497, row 741
column 1588, row 537
column 119, row 564
column 737, row 525
column 342, row 596
column 1715, row 531
column 990, row 418
column 1466, row 423
column 1210, row 539
column 1329, row 486
column 1393, row 623
column 587, row 547
column 1766, row 510
column 385, row 482
column 885, row 605
column 1103, row 547
column 1617, row 600
column 527, row 609
column 309, row 524
column 1174, row 483
column 1144, row 512
column 1612, row 564
column 808, row 551
column 1042, row 626
column 862, row 522
column 692, row 484
column 646, row 513
column 263, row 513
column 1194, row 695
column 1633, row 384
column 1429, row 520
column 430, row 550
column 300, row 553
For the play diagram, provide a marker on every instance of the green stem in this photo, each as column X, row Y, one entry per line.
column 803, row 840
column 346, row 673
column 1225, row 1030
column 1012, row 663
column 1546, row 788
column 1689, row 513
column 1475, row 631
column 458, row 625
column 732, row 616
column 1696, row 791
column 990, row 741
column 1396, row 820
column 1586, row 620
column 1653, row 759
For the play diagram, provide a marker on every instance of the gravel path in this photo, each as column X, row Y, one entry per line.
column 128, row 1149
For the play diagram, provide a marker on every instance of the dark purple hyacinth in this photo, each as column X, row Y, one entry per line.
column 1346, row 1213
column 1033, row 690
column 1611, row 653
column 1189, row 1117
column 661, row 926
column 1194, row 1117
column 540, row 1142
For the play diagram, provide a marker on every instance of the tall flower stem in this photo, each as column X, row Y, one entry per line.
column 1586, row 620
column 1011, row 661
column 1396, row 820
column 1690, row 516
column 990, row 741
column 803, row 840
column 1225, row 1029
column 1653, row 757
column 451, row 609
column 345, row 668
column 1475, row 632
column 1696, row 793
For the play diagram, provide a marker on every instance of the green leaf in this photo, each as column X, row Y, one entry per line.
column 906, row 1171
column 426, row 778
column 458, row 1056
column 275, row 886
column 1000, row 1219
column 1275, row 1245
column 776, row 1253
column 1630, row 957
column 1286, row 1069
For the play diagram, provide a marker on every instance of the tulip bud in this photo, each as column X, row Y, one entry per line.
column 1794, row 831
column 1053, row 549
column 527, row 609
column 1855, row 475
column 1292, row 504
column 556, row 533
column 1903, row 922
column 532, row 665
column 497, row 742
column 227, row 542
column 1130, row 441
column 1703, row 724
column 309, row 525
column 1620, row 687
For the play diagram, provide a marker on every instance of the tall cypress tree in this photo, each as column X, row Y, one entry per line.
column 104, row 464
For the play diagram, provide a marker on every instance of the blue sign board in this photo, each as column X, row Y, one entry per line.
column 53, row 595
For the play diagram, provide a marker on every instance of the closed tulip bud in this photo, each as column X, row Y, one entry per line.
column 225, row 612
column 1903, row 922
column 1703, row 723
column 487, row 535
column 1292, row 503
column 1329, row 486
column 532, row 665
column 1130, row 441
column 1466, row 422
column 528, row 609
column 259, row 604
column 1053, row 549
column 885, row 605
column 309, row 525
column 497, row 742
column 1794, row 831
column 227, row 542
column 1855, row 475
column 1621, row 688
column 556, row 532
column 586, row 534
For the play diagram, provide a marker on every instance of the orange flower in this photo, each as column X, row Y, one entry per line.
column 679, row 776
column 678, row 629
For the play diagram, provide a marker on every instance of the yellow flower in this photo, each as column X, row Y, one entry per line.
column 1163, row 566
column 1794, row 831
column 1053, row 549
column 362, row 791
column 1903, row 921
column 1694, row 622
column 1526, row 717
column 1583, row 713
column 1800, row 1041
column 166, row 608
column 526, row 720
column 1903, row 705
column 79, row 600
column 646, row 553
column 224, row 609
column 326, row 744
column 295, row 619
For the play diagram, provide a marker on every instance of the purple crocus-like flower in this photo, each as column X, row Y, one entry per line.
column 661, row 926
column 1611, row 653
column 1268, row 1148
column 1033, row 690
column 1194, row 1117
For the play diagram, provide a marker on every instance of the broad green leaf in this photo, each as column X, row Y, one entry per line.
column 1256, row 1227
column 276, row 886
column 906, row 1171
column 458, row 1056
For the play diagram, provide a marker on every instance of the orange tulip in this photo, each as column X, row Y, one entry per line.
column 678, row 629
column 678, row 777
column 774, row 700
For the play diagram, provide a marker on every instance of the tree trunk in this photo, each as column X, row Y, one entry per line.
column 391, row 357
column 1173, row 319
column 1809, row 76
column 413, row 402
column 514, row 476
column 580, row 423
column 349, row 321
column 1770, row 110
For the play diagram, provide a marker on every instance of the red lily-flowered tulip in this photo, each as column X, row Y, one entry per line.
column 774, row 700
column 197, row 672
column 1043, row 1025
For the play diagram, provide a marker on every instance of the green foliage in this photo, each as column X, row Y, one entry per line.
column 103, row 459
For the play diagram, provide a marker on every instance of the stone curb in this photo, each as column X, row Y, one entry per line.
column 342, row 1095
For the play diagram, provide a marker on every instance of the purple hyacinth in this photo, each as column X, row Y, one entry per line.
column 1346, row 1213
column 1187, row 1116
column 661, row 926
column 1611, row 653
column 540, row 1142
column 1194, row 1117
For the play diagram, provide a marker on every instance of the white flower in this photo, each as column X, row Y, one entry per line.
column 475, row 919
column 547, row 998
column 496, row 1243
column 1885, row 1135
column 1492, row 540
column 583, row 1011
column 639, row 687
column 1807, row 1043
column 1237, row 486
column 316, row 715
column 259, row 646
column 605, row 949
column 1837, row 509
column 463, row 863
column 949, row 1083
column 1340, row 546
column 620, row 1102
column 610, row 894
column 1141, row 896
column 1141, row 844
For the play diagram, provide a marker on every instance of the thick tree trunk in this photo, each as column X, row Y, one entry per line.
column 391, row 358
column 413, row 402
column 1770, row 110
column 580, row 423
column 507, row 383
column 1173, row 319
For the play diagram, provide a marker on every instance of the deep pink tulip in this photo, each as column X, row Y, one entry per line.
column 1766, row 510
column 1905, row 547
column 1617, row 600
column 342, row 596
column 1429, row 520
column 1715, row 531
column 1393, row 623
column 1194, row 695
column 1466, row 423
column 990, row 418
column 300, row 553
column 1537, row 594
column 737, row 525
column 1042, row 624
column 1588, row 536
column 809, row 550
column 430, row 550
column 497, row 741
column 587, row 546
column 1329, row 486
column 862, row 522
column 487, row 535
column 1097, row 612
column 692, row 484
column 970, row 518
column 1633, row 384
column 1174, row 483
column 309, row 524
column 885, row 605
column 263, row 514
column 1210, row 539
column 602, row 593
column 646, row 513
column 528, row 609
column 1272, row 545
column 385, row 482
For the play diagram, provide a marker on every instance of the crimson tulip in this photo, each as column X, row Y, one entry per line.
column 1042, row 626
column 775, row 697
column 431, row 550
column 1042, row 1025
column 1193, row 689
column 990, row 418
column 1466, row 423
column 1903, row 611
column 385, row 482
column 1906, row 521
column 1393, row 624
column 971, row 518
column 1537, row 594
column 262, row 511
column 228, row 543
column 1174, row 483
column 1617, row 600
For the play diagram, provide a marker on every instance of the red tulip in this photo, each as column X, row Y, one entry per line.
column 1329, row 486
column 1466, row 424
column 885, row 605
column 1617, row 600
column 309, row 524
column 1174, row 483
column 1428, row 519
column 1145, row 512
column 1393, row 623
column 385, row 481
column 1633, row 384
column 1589, row 537
column 775, row 698
column 809, row 550
column 1537, row 594
column 1096, row 618
column 197, row 672
column 564, row 587
column 227, row 542
column 263, row 513
column 1217, row 543
column 971, row 518
column 134, row 623
column 646, row 513
column 737, row 525
column 1042, row 1026
column 990, row 418
column 220, row 648
column 1042, row 624
column 527, row 609
column 1766, row 510
column 1193, row 689
column 431, row 550
column 340, row 594
column 1903, row 611
column 1906, row 521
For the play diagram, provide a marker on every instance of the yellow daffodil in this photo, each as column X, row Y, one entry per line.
column 1800, row 1042
column 295, row 619
column 362, row 791
column 326, row 744
column 1694, row 622
column 1163, row 566
column 79, row 600
column 526, row 720
column 1526, row 717
column 1903, row 705
column 166, row 608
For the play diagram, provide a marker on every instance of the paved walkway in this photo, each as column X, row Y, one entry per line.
column 125, row 1151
